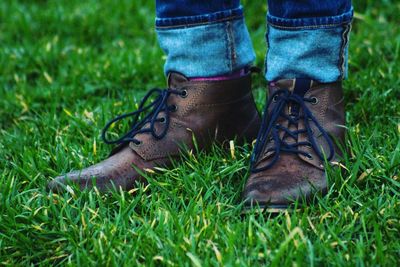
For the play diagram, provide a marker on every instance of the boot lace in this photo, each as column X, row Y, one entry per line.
column 270, row 129
column 153, row 109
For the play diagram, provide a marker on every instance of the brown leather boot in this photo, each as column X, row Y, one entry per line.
column 209, row 111
column 302, row 122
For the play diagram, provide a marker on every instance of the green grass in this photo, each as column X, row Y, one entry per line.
column 68, row 66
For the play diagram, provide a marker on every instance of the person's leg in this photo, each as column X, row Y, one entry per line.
column 209, row 95
column 203, row 38
column 305, row 64
column 308, row 39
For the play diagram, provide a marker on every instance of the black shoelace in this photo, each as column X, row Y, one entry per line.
column 270, row 129
column 153, row 109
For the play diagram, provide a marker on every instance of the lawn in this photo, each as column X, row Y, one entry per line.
column 68, row 66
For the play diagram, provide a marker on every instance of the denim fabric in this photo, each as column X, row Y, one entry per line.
column 306, row 39
column 318, row 54
column 203, row 38
column 314, row 48
column 187, row 21
column 190, row 8
column 207, row 50
column 310, row 22
column 295, row 9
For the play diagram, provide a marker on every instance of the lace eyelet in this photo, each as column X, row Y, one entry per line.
column 163, row 120
column 309, row 156
column 138, row 143
column 174, row 108
column 275, row 98
column 314, row 100
column 184, row 94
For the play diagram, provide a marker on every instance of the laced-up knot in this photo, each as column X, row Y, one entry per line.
column 270, row 129
column 150, row 116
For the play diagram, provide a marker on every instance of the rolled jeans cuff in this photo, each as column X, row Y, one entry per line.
column 313, row 48
column 206, row 45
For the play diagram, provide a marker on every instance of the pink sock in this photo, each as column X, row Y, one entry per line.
column 234, row 75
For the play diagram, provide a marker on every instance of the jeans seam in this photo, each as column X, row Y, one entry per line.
column 231, row 18
column 219, row 16
column 309, row 23
column 227, row 42
column 310, row 27
column 267, row 53
column 345, row 41
column 231, row 45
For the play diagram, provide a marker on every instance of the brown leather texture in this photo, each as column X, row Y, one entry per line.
column 209, row 111
column 296, row 176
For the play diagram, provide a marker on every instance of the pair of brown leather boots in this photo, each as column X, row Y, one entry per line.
column 296, row 137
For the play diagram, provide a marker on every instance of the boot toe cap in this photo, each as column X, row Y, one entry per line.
column 280, row 191
column 264, row 194
column 59, row 184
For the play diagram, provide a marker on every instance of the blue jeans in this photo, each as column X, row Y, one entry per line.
column 306, row 39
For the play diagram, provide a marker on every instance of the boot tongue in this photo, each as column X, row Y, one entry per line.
column 175, row 79
column 282, row 84
column 298, row 86
column 301, row 86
